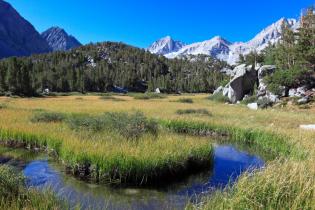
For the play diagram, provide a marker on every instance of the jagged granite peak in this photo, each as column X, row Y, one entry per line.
column 165, row 45
column 17, row 36
column 59, row 40
column 222, row 49
column 217, row 47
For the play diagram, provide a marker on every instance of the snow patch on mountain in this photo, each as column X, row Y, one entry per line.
column 222, row 49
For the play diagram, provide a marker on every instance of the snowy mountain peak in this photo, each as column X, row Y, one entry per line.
column 165, row 45
column 222, row 49
column 58, row 39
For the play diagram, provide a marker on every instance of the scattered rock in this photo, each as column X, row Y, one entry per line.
column 308, row 127
column 303, row 100
column 253, row 106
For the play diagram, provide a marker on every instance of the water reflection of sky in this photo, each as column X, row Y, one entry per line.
column 229, row 163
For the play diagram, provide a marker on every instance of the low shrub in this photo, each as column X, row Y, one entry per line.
column 48, row 117
column 250, row 99
column 264, row 103
column 219, row 97
column 3, row 106
column 193, row 111
column 296, row 76
column 185, row 100
column 148, row 96
column 130, row 126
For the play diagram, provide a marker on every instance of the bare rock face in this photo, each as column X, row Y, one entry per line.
column 17, row 36
column 243, row 83
column 58, row 39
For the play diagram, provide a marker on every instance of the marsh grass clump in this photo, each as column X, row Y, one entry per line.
column 48, row 117
column 148, row 96
column 130, row 126
column 185, row 100
column 15, row 195
column 112, row 98
column 11, row 182
column 193, row 111
column 219, row 97
column 3, row 106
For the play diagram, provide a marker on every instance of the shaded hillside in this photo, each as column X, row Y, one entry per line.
column 101, row 66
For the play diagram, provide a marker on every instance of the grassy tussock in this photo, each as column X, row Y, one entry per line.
column 193, row 111
column 291, row 186
column 148, row 96
column 130, row 126
column 3, row 106
column 48, row 117
column 15, row 195
column 219, row 97
column 185, row 100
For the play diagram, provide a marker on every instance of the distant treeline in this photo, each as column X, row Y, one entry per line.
column 100, row 67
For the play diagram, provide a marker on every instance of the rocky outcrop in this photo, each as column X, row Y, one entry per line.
column 243, row 83
column 17, row 36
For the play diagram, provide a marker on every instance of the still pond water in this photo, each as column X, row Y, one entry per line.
column 41, row 172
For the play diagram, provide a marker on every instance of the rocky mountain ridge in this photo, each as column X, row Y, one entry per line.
column 59, row 40
column 222, row 49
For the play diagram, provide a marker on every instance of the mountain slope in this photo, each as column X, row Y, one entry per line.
column 222, row 49
column 165, row 45
column 58, row 39
column 17, row 36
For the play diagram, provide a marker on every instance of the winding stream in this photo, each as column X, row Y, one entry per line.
column 41, row 172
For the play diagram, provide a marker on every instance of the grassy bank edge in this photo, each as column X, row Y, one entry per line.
column 121, row 170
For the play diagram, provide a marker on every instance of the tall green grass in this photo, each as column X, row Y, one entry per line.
column 138, row 166
column 291, row 186
column 270, row 142
column 15, row 195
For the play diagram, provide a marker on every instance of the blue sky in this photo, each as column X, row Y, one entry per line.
column 140, row 22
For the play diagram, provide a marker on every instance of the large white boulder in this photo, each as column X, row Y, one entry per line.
column 242, row 83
